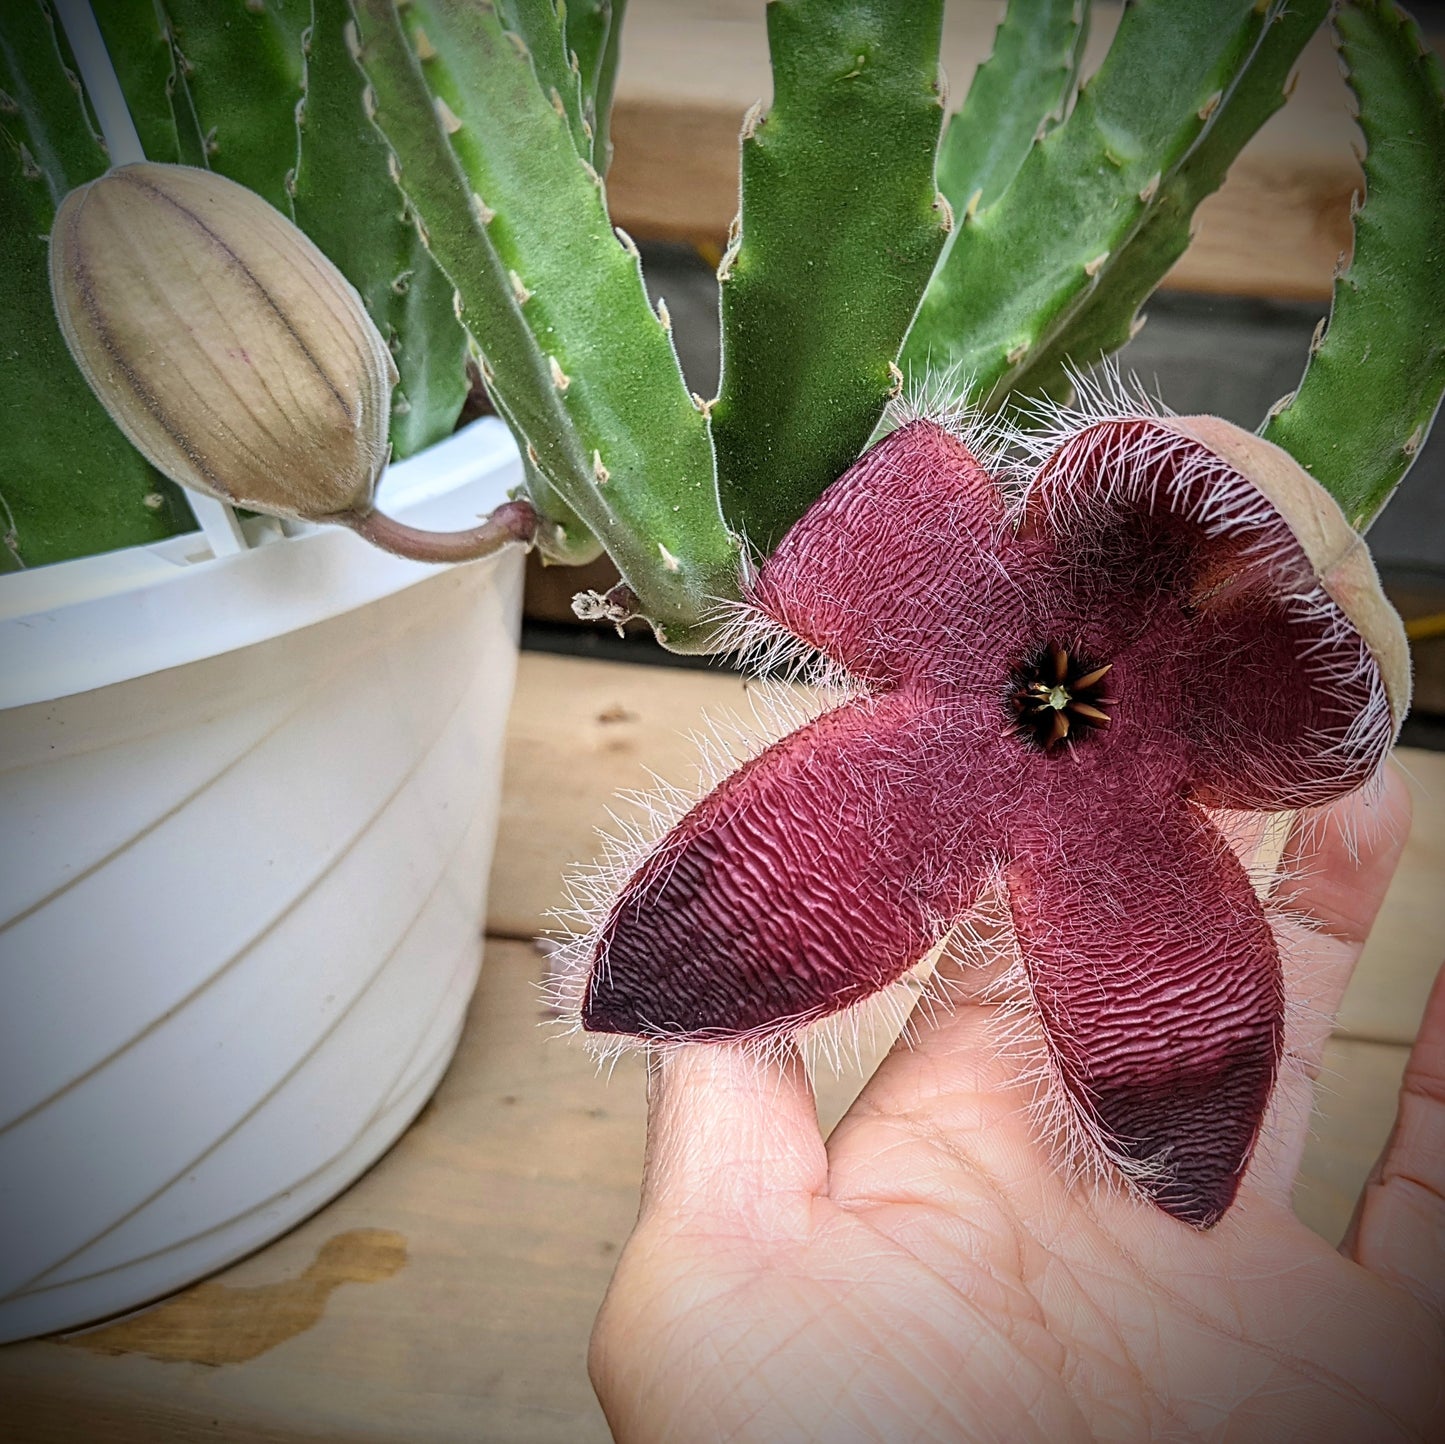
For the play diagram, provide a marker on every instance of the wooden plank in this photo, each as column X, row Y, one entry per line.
column 448, row 1295
column 582, row 731
column 691, row 68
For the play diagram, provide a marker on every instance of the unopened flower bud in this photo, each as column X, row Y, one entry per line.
column 235, row 356
column 226, row 346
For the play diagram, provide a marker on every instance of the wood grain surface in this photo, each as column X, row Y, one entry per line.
column 448, row 1295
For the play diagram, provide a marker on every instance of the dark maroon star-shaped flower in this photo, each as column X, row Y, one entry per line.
column 1169, row 616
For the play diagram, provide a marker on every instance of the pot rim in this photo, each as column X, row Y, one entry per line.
column 78, row 625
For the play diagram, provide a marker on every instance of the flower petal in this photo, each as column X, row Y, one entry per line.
column 809, row 879
column 1286, row 707
column 871, row 572
column 1157, row 980
column 1289, row 664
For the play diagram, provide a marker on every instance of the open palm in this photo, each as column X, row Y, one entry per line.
column 929, row 1274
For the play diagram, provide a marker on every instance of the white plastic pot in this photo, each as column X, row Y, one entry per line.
column 248, row 806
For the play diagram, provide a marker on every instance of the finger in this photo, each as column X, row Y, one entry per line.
column 954, row 990
column 954, row 1056
column 732, row 1134
column 1334, row 873
column 1400, row 1219
column 1336, row 870
column 1332, row 877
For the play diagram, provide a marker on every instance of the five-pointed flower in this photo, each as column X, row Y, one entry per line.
column 1053, row 686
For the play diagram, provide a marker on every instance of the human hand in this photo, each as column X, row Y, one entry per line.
column 928, row 1273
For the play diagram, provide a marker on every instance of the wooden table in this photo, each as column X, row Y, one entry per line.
column 448, row 1295
column 690, row 68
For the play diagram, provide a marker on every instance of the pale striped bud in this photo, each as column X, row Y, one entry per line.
column 226, row 346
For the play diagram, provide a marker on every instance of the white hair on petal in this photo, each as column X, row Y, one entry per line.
column 929, row 394
column 1101, row 393
column 796, row 683
column 1307, row 1025
column 1204, row 489
column 773, row 656
column 1078, row 1145
column 790, row 684
column 942, row 397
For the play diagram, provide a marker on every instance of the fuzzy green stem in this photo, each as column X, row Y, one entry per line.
column 537, row 24
column 1021, row 269
column 841, row 226
column 578, row 363
column 243, row 66
column 1110, row 315
column 343, row 196
column 1019, row 93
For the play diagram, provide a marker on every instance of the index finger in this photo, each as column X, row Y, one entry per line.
column 731, row 1131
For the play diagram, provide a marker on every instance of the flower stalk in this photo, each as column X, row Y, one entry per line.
column 513, row 521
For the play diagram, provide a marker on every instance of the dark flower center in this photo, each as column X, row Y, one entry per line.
column 1057, row 696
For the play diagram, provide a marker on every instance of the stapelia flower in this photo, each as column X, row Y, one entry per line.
column 1168, row 616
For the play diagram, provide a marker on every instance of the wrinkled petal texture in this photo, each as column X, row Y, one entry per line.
column 893, row 564
column 828, row 865
column 1162, row 1017
column 797, row 888
column 1280, row 702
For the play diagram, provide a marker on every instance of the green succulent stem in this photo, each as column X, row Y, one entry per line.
column 1110, row 314
column 814, row 315
column 242, row 68
column 343, row 196
column 1020, row 270
column 561, row 537
column 1018, row 94
column 594, row 40
column 586, row 27
column 137, row 37
column 571, row 351
column 1373, row 382
column 538, row 29
column 70, row 484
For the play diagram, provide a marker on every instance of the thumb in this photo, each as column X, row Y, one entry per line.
column 1400, row 1219
column 732, row 1131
